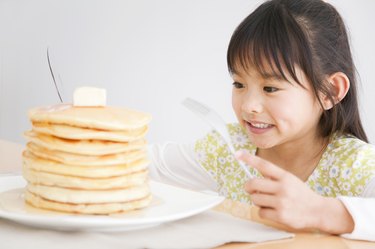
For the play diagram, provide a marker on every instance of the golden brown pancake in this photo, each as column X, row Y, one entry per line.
column 115, row 182
column 105, row 118
column 92, row 208
column 82, row 160
column 35, row 163
column 84, row 147
column 73, row 132
column 83, row 196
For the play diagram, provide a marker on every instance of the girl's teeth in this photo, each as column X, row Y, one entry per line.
column 261, row 125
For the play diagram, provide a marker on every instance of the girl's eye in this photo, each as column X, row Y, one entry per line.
column 270, row 89
column 238, row 85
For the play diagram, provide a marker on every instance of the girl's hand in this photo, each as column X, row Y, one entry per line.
column 284, row 198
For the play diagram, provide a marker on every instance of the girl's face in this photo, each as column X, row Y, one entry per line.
column 274, row 111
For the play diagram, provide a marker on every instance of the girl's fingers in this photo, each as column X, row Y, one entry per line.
column 259, row 185
column 266, row 168
column 264, row 200
column 268, row 213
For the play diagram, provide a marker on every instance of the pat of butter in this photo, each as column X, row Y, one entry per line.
column 89, row 96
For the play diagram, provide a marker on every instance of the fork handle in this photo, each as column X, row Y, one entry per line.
column 242, row 164
column 245, row 168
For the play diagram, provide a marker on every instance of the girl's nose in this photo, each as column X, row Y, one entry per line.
column 252, row 103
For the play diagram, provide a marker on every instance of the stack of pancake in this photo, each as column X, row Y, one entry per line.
column 86, row 160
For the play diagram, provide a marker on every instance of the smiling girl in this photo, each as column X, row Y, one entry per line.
column 299, row 128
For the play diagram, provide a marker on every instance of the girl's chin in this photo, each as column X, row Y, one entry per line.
column 261, row 144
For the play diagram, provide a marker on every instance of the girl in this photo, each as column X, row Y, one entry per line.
column 294, row 95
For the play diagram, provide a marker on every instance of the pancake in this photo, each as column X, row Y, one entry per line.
column 72, row 132
column 35, row 163
column 105, row 118
column 79, row 196
column 83, row 160
column 116, row 182
column 99, row 208
column 87, row 158
column 85, row 147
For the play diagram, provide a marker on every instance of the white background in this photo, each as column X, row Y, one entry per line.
column 149, row 55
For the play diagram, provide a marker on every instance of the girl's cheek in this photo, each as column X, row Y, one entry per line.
column 236, row 104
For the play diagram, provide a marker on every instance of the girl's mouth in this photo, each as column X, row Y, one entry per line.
column 257, row 127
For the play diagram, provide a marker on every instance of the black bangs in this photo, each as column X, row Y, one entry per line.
column 271, row 42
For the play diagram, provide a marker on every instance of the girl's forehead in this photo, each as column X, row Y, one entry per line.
column 265, row 71
column 268, row 72
column 263, row 60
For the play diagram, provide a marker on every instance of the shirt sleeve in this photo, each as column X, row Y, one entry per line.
column 176, row 164
column 362, row 210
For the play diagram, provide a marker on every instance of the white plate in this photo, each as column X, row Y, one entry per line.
column 169, row 204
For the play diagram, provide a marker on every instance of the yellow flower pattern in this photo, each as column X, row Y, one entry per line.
column 346, row 166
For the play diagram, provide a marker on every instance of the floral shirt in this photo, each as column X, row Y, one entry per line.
column 346, row 166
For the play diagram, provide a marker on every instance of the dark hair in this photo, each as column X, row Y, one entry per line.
column 311, row 34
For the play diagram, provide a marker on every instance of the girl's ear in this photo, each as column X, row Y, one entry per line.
column 339, row 84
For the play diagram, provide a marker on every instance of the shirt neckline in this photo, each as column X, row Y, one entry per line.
column 318, row 167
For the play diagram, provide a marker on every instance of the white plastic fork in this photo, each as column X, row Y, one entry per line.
column 216, row 122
